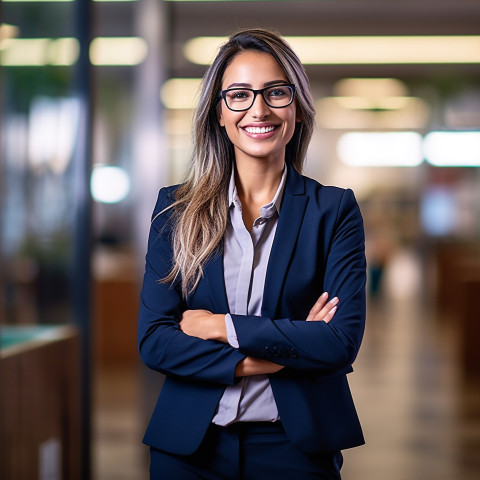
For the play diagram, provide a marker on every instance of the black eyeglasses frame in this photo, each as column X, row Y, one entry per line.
column 223, row 95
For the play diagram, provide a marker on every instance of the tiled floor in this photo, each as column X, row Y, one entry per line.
column 421, row 420
column 118, row 453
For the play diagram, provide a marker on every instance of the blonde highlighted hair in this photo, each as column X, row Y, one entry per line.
column 200, row 210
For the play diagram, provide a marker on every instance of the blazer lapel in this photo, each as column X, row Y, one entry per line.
column 289, row 223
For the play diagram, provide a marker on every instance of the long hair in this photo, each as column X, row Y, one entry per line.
column 200, row 210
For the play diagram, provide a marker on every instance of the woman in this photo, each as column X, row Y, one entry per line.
column 232, row 310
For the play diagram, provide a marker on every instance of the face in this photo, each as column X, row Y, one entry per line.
column 261, row 132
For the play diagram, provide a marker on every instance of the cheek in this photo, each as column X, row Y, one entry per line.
column 291, row 124
column 230, row 120
column 222, row 114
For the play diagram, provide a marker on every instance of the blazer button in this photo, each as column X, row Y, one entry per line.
column 275, row 352
column 293, row 353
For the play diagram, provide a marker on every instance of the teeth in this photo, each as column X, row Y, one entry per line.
column 259, row 129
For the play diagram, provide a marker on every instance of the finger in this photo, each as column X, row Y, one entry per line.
column 319, row 304
column 330, row 315
column 326, row 309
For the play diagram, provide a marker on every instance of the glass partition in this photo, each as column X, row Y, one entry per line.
column 39, row 122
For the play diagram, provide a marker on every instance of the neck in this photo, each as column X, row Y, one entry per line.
column 257, row 182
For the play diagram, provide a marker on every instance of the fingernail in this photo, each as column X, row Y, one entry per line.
column 324, row 294
column 334, row 300
column 333, row 310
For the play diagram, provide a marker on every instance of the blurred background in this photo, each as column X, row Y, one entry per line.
column 96, row 106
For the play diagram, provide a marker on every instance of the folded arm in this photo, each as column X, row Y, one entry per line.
column 208, row 326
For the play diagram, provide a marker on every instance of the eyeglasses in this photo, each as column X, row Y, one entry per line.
column 241, row 99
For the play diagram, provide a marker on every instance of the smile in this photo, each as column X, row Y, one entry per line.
column 260, row 129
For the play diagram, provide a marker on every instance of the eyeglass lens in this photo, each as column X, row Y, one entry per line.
column 276, row 97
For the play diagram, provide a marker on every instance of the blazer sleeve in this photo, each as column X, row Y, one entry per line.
column 316, row 345
column 162, row 345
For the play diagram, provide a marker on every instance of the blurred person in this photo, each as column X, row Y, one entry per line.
column 253, row 300
column 379, row 250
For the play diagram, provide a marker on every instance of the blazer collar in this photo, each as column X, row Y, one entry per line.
column 295, row 182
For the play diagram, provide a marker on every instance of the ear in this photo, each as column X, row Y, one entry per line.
column 298, row 116
column 221, row 121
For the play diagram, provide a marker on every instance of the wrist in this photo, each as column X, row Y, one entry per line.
column 256, row 366
column 218, row 328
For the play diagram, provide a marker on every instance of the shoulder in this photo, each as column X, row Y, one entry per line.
column 162, row 211
column 335, row 208
column 166, row 196
column 329, row 204
column 328, row 195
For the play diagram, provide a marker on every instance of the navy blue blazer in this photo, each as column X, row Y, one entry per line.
column 318, row 246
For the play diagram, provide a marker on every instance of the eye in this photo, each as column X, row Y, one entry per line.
column 238, row 95
column 278, row 91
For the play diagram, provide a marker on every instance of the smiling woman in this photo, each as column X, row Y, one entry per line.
column 246, row 265
column 259, row 126
column 197, row 201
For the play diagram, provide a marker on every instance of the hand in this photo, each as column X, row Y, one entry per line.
column 256, row 366
column 204, row 324
column 323, row 310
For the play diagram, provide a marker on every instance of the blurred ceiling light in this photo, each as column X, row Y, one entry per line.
column 202, row 50
column 355, row 50
column 22, row 51
column 118, row 50
column 452, row 149
column 387, row 49
column 395, row 103
column 349, row 113
column 377, row 103
column 180, row 93
column 63, row 51
column 39, row 51
column 379, row 149
column 365, row 103
column 352, row 103
column 370, row 87
column 109, row 184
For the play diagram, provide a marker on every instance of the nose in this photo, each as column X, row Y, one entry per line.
column 259, row 109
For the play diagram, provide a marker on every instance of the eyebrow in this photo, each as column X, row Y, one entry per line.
column 248, row 85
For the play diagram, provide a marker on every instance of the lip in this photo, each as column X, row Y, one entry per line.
column 259, row 130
